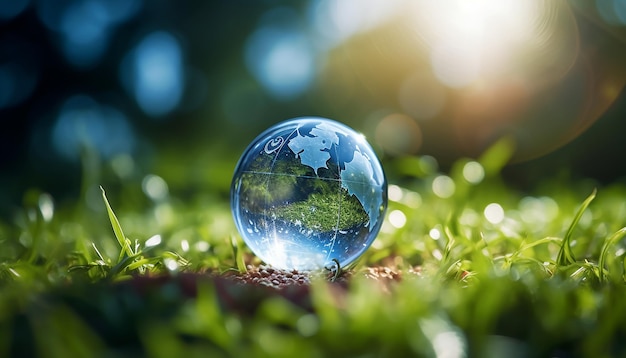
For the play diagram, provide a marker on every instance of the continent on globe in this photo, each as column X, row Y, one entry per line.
column 313, row 150
column 356, row 178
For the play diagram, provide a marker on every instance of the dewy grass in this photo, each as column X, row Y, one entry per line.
column 609, row 244
column 544, row 277
column 131, row 259
column 237, row 245
column 117, row 229
column 566, row 256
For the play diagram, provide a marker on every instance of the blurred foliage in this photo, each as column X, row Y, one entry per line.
column 74, row 84
column 135, row 277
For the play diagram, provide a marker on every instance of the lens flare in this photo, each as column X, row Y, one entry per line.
column 473, row 71
column 478, row 40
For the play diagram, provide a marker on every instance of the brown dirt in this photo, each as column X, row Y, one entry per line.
column 245, row 292
column 279, row 279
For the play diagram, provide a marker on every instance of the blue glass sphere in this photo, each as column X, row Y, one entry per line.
column 309, row 193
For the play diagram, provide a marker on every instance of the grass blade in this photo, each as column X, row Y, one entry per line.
column 117, row 228
column 238, row 254
column 122, row 266
column 497, row 156
column 566, row 256
column 605, row 249
column 451, row 240
column 545, row 240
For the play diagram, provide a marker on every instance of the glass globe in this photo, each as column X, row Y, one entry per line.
column 309, row 193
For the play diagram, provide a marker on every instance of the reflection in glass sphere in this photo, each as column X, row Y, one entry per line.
column 309, row 191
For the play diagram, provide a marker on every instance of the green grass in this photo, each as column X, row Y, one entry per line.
column 84, row 278
column 319, row 211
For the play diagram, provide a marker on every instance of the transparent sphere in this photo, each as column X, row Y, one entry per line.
column 309, row 191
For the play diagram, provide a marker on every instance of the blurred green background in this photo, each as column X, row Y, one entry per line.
column 164, row 95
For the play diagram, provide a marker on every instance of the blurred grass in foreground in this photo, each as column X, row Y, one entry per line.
column 501, row 272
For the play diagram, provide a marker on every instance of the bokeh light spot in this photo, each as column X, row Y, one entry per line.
column 394, row 193
column 443, row 186
column 85, row 31
column 107, row 12
column 46, row 207
column 171, row 264
column 154, row 187
column 84, row 22
column 118, row 11
column 282, row 60
column 307, row 325
column 157, row 78
column 399, row 134
column 543, row 209
column 473, row 172
column 153, row 241
column 434, row 234
column 412, row 200
column 469, row 217
column 428, row 164
column 123, row 165
column 446, row 339
column 202, row 246
column 494, row 213
column 397, row 218
column 336, row 21
column 85, row 25
column 84, row 124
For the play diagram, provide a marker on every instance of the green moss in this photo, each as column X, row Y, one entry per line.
column 325, row 212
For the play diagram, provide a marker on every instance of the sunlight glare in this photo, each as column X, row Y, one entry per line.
column 474, row 39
